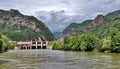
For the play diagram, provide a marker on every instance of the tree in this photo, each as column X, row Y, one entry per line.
column 106, row 46
column 88, row 42
column 5, row 43
column 115, row 39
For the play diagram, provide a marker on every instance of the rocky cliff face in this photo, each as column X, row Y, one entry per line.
column 14, row 20
column 84, row 27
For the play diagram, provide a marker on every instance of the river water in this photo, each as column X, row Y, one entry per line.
column 53, row 59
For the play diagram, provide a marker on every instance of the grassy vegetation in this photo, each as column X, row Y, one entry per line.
column 6, row 43
column 18, row 32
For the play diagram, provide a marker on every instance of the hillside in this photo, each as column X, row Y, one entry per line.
column 22, row 27
column 99, row 26
column 99, row 35
column 74, row 28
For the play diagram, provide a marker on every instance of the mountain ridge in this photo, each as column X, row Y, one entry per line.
column 14, row 24
column 90, row 25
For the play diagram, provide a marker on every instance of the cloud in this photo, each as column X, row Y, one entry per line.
column 58, row 14
column 94, row 6
column 58, row 20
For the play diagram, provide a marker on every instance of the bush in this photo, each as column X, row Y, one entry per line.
column 5, row 43
column 58, row 46
column 106, row 46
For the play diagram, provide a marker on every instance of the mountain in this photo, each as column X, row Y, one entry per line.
column 114, row 14
column 84, row 27
column 101, row 34
column 57, row 35
column 22, row 27
column 57, row 20
column 74, row 28
column 99, row 26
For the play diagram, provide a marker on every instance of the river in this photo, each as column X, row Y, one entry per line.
column 54, row 59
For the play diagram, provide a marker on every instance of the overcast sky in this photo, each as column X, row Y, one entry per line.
column 57, row 14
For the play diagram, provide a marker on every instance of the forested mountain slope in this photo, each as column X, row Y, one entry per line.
column 22, row 27
column 100, row 26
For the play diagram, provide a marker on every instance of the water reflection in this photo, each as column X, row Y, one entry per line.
column 51, row 59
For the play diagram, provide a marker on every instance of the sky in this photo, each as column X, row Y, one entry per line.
column 58, row 14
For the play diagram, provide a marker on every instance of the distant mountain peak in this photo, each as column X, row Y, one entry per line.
column 99, row 18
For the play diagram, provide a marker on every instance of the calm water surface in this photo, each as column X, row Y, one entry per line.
column 53, row 59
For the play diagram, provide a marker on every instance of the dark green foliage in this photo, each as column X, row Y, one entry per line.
column 115, row 39
column 81, row 25
column 12, row 13
column 1, row 45
column 85, row 42
column 88, row 42
column 76, row 27
column 112, row 42
column 113, row 15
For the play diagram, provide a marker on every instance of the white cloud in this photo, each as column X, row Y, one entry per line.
column 74, row 10
column 58, row 20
